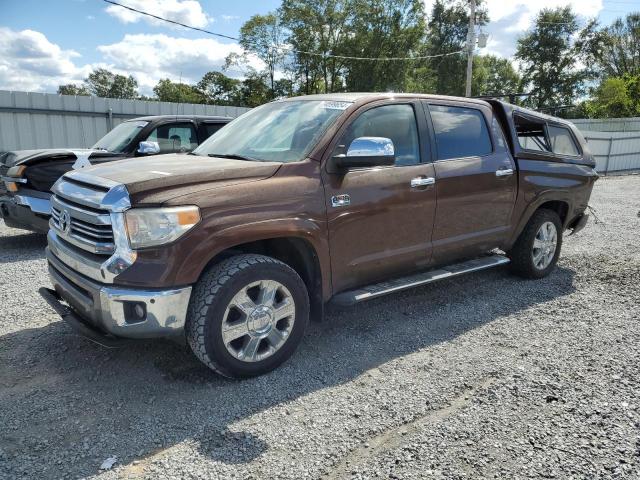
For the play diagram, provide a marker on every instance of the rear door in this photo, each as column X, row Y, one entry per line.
column 209, row 128
column 380, row 218
column 476, row 180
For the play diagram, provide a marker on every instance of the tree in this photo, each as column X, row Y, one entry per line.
column 72, row 89
column 318, row 29
column 262, row 35
column 549, row 59
column 384, row 28
column 168, row 91
column 219, row 89
column 447, row 31
column 254, row 90
column 614, row 50
column 103, row 83
column 615, row 97
column 494, row 76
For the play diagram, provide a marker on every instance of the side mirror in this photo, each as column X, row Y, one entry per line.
column 367, row 152
column 148, row 148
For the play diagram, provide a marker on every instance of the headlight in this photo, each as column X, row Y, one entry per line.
column 16, row 171
column 148, row 227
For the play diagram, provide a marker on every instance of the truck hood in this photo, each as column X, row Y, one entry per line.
column 30, row 157
column 159, row 178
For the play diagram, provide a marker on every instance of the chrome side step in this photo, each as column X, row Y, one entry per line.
column 379, row 289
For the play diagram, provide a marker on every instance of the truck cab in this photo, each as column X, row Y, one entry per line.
column 26, row 176
column 326, row 198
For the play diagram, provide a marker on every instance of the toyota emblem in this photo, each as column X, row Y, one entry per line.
column 65, row 221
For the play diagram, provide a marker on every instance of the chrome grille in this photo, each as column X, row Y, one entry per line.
column 77, row 218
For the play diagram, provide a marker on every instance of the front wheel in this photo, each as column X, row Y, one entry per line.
column 537, row 249
column 247, row 315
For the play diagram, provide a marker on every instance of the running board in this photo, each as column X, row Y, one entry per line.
column 370, row 292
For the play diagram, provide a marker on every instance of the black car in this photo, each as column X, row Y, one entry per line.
column 28, row 175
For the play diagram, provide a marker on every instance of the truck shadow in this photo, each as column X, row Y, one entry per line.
column 137, row 403
column 23, row 246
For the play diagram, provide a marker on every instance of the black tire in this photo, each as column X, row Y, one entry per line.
column 521, row 254
column 211, row 297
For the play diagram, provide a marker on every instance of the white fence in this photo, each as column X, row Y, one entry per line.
column 43, row 120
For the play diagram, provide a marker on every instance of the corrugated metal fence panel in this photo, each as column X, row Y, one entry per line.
column 43, row 120
column 631, row 124
column 615, row 151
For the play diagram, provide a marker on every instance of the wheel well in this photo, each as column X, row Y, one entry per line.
column 295, row 252
column 561, row 208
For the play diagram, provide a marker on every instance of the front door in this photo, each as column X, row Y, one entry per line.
column 476, row 181
column 379, row 223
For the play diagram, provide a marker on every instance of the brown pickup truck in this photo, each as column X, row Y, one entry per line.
column 341, row 198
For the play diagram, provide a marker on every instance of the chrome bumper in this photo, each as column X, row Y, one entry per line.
column 41, row 206
column 111, row 309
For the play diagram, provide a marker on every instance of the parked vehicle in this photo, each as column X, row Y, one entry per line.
column 28, row 175
column 341, row 197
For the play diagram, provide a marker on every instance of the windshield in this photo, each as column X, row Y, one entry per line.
column 120, row 137
column 278, row 131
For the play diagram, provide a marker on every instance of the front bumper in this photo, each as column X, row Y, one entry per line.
column 111, row 310
column 26, row 212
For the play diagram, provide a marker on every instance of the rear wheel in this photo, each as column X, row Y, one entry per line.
column 247, row 315
column 537, row 249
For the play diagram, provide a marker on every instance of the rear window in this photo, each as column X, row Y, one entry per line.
column 460, row 132
column 562, row 141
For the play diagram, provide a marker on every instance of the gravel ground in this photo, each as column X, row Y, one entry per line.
column 487, row 376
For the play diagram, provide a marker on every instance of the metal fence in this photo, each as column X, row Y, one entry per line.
column 631, row 124
column 615, row 152
column 42, row 120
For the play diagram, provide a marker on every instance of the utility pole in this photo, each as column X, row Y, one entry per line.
column 471, row 44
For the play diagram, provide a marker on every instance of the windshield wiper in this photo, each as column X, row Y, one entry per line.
column 232, row 156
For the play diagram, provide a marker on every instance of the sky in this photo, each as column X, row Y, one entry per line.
column 47, row 43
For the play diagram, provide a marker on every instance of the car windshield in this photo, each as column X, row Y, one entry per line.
column 282, row 131
column 117, row 140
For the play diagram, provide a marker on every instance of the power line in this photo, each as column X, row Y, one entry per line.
column 285, row 47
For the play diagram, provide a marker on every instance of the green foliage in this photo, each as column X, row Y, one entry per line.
column 549, row 59
column 262, row 35
column 168, row 91
column 494, row 76
column 614, row 51
column 219, row 89
column 103, row 83
column 615, row 97
column 71, row 89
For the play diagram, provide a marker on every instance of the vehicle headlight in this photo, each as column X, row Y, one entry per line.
column 148, row 227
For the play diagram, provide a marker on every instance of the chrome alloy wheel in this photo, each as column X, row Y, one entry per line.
column 544, row 245
column 258, row 320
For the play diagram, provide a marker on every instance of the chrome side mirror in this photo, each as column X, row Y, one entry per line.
column 148, row 148
column 367, row 152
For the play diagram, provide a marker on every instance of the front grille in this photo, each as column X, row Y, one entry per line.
column 80, row 222
column 98, row 238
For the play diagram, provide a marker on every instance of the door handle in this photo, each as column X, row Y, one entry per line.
column 504, row 172
column 422, row 181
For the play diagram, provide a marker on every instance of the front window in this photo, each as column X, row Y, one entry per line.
column 117, row 140
column 280, row 131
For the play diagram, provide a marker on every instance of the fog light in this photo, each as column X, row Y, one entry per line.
column 135, row 312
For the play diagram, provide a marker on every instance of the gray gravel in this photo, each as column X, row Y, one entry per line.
column 487, row 376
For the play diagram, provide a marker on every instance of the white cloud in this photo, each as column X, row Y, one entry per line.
column 511, row 18
column 29, row 61
column 188, row 12
column 150, row 57
column 230, row 18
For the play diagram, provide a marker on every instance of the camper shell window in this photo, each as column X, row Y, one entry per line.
column 532, row 133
